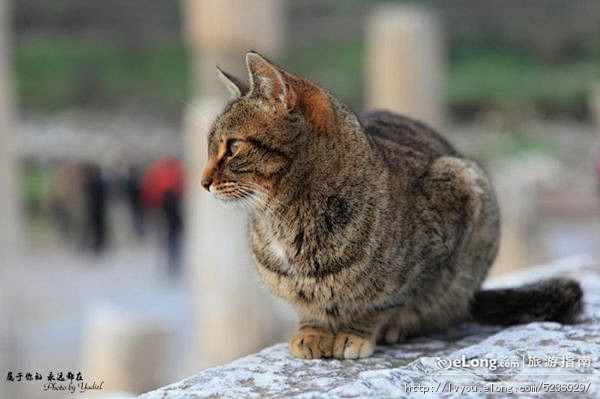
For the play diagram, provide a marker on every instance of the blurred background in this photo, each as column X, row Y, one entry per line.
column 114, row 262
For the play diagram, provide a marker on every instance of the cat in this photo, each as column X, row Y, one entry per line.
column 373, row 229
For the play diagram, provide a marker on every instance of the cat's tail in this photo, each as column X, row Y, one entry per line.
column 548, row 300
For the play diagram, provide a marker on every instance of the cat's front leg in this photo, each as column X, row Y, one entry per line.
column 312, row 343
column 358, row 339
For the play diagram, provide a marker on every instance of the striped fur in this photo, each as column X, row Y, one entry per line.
column 370, row 228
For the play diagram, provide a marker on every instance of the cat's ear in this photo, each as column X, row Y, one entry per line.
column 295, row 93
column 266, row 80
column 235, row 86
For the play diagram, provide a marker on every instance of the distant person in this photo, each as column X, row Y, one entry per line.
column 131, row 185
column 94, row 190
column 162, row 189
column 171, row 207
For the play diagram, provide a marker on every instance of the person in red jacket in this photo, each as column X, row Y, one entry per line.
column 162, row 188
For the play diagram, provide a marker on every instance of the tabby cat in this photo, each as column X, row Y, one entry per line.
column 374, row 229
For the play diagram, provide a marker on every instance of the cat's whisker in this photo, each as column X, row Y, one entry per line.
column 248, row 197
column 265, row 198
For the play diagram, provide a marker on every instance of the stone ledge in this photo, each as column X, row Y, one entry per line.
column 273, row 372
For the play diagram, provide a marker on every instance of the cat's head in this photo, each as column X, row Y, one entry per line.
column 262, row 134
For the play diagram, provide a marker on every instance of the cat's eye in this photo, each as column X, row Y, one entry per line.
column 233, row 146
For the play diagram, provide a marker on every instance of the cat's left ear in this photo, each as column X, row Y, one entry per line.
column 266, row 80
column 235, row 86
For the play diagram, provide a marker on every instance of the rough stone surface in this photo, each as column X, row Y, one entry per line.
column 526, row 356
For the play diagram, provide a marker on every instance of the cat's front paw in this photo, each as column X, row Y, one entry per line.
column 312, row 343
column 348, row 345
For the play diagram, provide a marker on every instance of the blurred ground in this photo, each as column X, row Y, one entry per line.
column 55, row 292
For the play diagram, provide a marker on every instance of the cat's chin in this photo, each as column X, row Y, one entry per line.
column 230, row 202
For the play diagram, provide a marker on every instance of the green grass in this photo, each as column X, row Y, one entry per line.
column 339, row 66
column 509, row 79
column 57, row 73
column 53, row 74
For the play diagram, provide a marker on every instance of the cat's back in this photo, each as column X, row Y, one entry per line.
column 409, row 134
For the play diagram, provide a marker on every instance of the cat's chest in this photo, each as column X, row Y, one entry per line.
column 271, row 249
column 278, row 252
column 287, row 251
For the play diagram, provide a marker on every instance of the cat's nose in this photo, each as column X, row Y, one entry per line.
column 206, row 182
column 208, row 174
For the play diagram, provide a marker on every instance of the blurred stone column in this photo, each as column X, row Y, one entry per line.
column 129, row 351
column 233, row 315
column 515, row 181
column 220, row 32
column 9, row 231
column 9, row 227
column 594, row 103
column 405, row 62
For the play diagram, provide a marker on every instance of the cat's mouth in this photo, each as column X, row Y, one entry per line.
column 231, row 192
